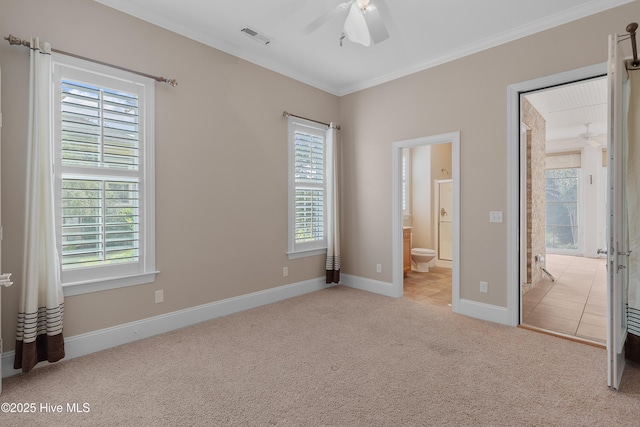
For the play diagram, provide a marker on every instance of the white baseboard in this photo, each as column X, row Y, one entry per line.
column 91, row 342
column 369, row 285
column 479, row 310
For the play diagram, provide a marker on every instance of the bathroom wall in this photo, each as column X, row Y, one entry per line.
column 429, row 163
column 421, row 190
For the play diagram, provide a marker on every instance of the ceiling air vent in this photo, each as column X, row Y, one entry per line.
column 257, row 36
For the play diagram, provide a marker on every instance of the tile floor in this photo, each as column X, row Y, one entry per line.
column 575, row 304
column 433, row 287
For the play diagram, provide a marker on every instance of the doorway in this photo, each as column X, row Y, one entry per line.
column 427, row 207
column 427, row 219
column 564, row 138
column 562, row 150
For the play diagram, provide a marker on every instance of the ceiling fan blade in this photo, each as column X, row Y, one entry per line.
column 326, row 17
column 355, row 26
column 377, row 29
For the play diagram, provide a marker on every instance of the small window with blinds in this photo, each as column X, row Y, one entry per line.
column 103, row 126
column 307, row 190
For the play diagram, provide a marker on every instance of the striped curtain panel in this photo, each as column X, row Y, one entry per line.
column 39, row 330
column 333, row 207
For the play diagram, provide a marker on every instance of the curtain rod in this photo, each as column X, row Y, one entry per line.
column 631, row 29
column 287, row 114
column 14, row 40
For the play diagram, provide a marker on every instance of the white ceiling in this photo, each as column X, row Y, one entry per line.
column 423, row 33
column 567, row 109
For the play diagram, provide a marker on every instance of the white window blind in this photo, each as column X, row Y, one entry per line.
column 565, row 160
column 99, row 126
column 100, row 219
column 307, row 192
column 103, row 123
column 100, row 222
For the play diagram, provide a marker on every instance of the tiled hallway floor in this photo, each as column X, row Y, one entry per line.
column 433, row 287
column 575, row 304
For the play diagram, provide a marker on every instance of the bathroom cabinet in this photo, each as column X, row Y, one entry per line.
column 406, row 250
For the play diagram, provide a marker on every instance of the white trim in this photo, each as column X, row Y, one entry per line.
column 91, row 342
column 480, row 310
column 88, row 286
column 92, row 279
column 314, row 247
column 396, row 210
column 514, row 174
column 369, row 285
column 588, row 9
column 155, row 17
column 306, row 253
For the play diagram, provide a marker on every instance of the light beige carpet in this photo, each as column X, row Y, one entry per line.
column 338, row 357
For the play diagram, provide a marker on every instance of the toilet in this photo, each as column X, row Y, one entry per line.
column 422, row 259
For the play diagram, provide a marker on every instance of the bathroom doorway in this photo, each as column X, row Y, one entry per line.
column 563, row 198
column 424, row 169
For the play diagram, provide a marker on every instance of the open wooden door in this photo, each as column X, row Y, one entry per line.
column 617, row 234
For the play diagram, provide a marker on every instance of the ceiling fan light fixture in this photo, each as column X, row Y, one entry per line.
column 362, row 4
column 355, row 26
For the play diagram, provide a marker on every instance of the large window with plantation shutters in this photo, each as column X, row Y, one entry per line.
column 103, row 127
column 307, row 188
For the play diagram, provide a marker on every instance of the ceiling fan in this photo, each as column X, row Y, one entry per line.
column 363, row 23
column 589, row 137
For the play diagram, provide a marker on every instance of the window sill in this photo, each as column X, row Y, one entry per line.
column 85, row 287
column 308, row 253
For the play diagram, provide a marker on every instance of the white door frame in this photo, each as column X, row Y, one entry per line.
column 515, row 174
column 396, row 211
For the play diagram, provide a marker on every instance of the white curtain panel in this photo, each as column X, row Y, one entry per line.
column 333, row 207
column 633, row 190
column 39, row 330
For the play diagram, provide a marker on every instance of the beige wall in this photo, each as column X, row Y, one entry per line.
column 221, row 162
column 427, row 164
column 467, row 95
column 220, row 135
column 421, row 234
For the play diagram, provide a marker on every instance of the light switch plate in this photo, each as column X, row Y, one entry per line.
column 495, row 216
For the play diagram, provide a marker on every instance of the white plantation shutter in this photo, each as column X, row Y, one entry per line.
column 100, row 219
column 307, row 186
column 104, row 153
column 99, row 126
column 100, row 222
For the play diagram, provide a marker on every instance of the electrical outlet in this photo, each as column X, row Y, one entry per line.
column 484, row 287
column 285, row 271
column 378, row 268
column 495, row 216
column 159, row 296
